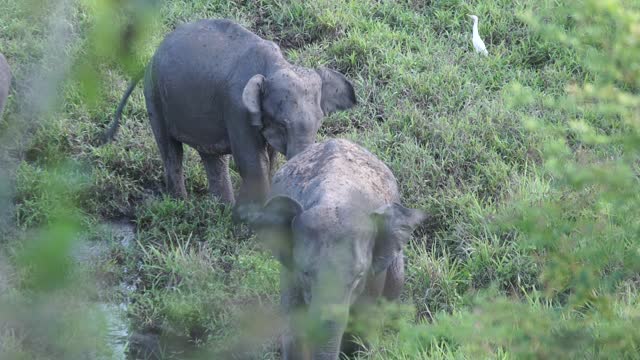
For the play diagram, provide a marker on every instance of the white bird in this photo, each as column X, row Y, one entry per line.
column 478, row 44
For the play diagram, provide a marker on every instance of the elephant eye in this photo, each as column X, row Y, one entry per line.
column 306, row 274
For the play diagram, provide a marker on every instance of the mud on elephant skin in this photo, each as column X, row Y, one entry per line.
column 5, row 82
column 335, row 223
column 216, row 86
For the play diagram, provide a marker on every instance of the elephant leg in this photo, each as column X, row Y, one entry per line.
column 217, row 168
column 361, row 316
column 292, row 346
column 351, row 344
column 254, row 170
column 352, row 337
column 388, row 284
column 253, row 165
column 170, row 150
column 394, row 282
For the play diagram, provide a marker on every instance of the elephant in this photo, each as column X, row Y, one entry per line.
column 214, row 85
column 5, row 82
column 334, row 221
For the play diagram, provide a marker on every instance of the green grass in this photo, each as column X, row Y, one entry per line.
column 488, row 146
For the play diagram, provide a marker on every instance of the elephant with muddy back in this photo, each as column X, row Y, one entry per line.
column 334, row 221
column 216, row 86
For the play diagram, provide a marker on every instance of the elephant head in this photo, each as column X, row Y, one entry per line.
column 288, row 105
column 329, row 253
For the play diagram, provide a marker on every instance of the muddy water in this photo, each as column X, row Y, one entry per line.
column 113, row 300
column 117, row 329
column 124, row 232
column 113, row 308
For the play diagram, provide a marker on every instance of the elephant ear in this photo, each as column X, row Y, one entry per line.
column 252, row 98
column 337, row 91
column 273, row 225
column 395, row 223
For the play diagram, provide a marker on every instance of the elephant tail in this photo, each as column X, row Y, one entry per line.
column 115, row 124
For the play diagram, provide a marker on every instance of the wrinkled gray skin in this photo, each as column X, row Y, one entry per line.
column 335, row 223
column 5, row 82
column 221, row 89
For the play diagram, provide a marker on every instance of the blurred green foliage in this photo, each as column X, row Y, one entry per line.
column 584, row 227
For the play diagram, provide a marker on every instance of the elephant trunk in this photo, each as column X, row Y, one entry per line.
column 329, row 316
column 296, row 146
column 329, row 349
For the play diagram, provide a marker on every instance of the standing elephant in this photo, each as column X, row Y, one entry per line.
column 221, row 89
column 335, row 223
column 5, row 82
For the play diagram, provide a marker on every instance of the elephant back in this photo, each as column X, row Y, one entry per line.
column 336, row 171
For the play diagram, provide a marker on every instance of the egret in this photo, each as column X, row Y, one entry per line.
column 478, row 44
